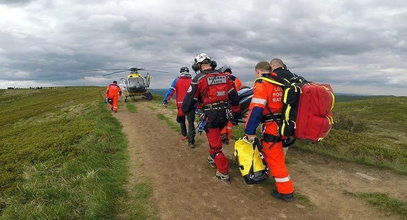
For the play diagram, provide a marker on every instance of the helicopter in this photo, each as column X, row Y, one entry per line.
column 135, row 84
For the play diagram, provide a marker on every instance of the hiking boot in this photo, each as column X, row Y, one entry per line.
column 191, row 145
column 223, row 177
column 211, row 161
column 286, row 197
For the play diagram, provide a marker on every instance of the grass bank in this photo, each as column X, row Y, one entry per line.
column 62, row 155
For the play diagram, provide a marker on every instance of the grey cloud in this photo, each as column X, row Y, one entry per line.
column 355, row 43
column 15, row 2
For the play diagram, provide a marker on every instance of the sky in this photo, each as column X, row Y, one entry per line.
column 358, row 47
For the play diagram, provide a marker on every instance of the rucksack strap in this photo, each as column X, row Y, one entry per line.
column 270, row 81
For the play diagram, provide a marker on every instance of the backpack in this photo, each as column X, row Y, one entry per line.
column 307, row 108
column 314, row 116
column 249, row 160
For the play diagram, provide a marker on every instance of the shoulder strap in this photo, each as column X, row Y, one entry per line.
column 270, row 81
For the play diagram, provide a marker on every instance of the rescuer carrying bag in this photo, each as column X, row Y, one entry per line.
column 307, row 108
column 249, row 160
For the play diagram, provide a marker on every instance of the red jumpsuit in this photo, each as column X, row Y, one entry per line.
column 214, row 91
column 113, row 92
column 267, row 97
column 238, row 85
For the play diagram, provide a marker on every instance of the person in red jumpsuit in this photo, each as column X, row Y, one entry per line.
column 214, row 92
column 113, row 92
column 266, row 107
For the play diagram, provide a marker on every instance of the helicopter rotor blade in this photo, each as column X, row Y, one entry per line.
column 115, row 69
column 156, row 71
column 121, row 71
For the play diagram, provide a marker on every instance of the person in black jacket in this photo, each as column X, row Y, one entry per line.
column 280, row 70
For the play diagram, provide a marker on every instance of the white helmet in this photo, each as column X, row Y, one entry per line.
column 201, row 57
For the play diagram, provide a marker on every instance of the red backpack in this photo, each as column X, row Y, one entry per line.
column 314, row 115
column 307, row 111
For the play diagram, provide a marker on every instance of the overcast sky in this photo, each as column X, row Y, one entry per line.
column 356, row 46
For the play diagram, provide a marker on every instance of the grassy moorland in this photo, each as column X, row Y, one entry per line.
column 62, row 155
column 371, row 131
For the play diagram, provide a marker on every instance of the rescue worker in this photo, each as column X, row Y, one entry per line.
column 113, row 92
column 279, row 69
column 266, row 107
column 180, row 86
column 215, row 92
column 281, row 73
column 226, row 132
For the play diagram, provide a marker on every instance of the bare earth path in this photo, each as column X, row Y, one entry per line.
column 184, row 186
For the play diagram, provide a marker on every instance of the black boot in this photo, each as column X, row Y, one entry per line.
column 286, row 197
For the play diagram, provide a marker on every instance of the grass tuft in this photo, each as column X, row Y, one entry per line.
column 174, row 126
column 383, row 202
column 131, row 107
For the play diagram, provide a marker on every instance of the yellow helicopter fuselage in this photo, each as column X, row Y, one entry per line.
column 133, row 75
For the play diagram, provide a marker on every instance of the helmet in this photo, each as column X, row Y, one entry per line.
column 184, row 69
column 201, row 57
column 226, row 68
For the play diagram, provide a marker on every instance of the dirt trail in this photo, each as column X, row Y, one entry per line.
column 185, row 187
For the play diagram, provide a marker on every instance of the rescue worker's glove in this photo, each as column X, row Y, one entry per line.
column 250, row 137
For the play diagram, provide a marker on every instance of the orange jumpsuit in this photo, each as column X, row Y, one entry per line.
column 267, row 97
column 238, row 85
column 113, row 92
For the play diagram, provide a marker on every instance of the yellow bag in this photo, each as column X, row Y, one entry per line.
column 250, row 163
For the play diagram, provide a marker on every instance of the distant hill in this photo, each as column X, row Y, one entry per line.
column 339, row 97
column 160, row 92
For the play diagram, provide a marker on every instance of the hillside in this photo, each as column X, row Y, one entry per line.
column 62, row 155
column 369, row 131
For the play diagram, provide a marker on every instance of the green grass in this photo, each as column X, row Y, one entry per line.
column 62, row 155
column 131, row 107
column 140, row 208
column 174, row 126
column 383, row 202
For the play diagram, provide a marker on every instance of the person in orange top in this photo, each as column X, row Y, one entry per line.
column 113, row 92
column 265, row 108
column 226, row 132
